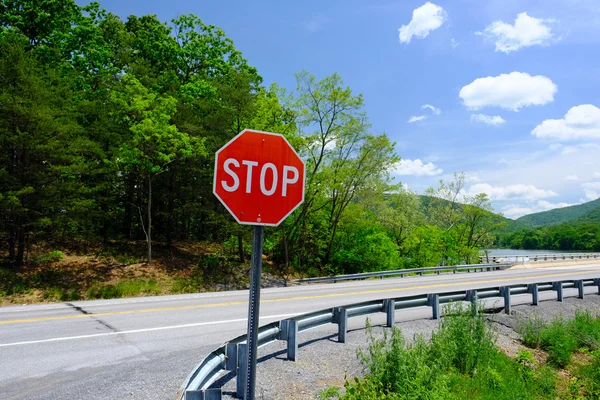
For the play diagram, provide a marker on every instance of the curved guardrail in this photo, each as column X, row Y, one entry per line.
column 231, row 356
column 402, row 272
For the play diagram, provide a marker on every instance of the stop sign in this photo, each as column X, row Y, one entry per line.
column 259, row 178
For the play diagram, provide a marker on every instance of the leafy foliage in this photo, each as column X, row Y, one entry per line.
column 561, row 338
column 459, row 362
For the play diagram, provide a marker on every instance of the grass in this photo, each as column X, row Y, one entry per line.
column 562, row 338
column 459, row 362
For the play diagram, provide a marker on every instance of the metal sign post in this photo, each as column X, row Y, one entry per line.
column 253, row 310
column 260, row 180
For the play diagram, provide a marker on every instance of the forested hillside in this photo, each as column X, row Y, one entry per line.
column 558, row 215
column 108, row 129
column 581, row 232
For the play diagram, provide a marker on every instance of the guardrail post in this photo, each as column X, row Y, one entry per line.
column 579, row 286
column 292, row 340
column 434, row 303
column 389, row 306
column 558, row 287
column 533, row 289
column 240, row 377
column 505, row 292
column 597, row 283
column 472, row 296
column 231, row 357
column 208, row 394
column 342, row 321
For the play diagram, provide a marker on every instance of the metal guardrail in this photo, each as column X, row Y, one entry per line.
column 231, row 356
column 540, row 257
column 403, row 272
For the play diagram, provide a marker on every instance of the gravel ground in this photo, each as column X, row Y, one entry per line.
column 323, row 362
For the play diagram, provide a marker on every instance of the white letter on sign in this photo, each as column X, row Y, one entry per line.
column 250, row 164
column 263, row 172
column 236, row 180
column 287, row 180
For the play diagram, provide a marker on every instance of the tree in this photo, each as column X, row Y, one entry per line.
column 37, row 143
column 155, row 142
column 343, row 158
column 398, row 211
column 466, row 220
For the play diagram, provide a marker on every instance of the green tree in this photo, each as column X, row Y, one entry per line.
column 37, row 143
column 155, row 142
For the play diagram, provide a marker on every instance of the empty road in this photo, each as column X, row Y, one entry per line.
column 143, row 348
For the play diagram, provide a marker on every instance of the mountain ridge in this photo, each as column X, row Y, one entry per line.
column 561, row 215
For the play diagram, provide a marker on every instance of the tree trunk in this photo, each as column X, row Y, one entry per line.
column 240, row 247
column 20, row 246
column 149, row 232
column 11, row 244
column 169, row 232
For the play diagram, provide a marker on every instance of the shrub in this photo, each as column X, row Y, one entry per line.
column 47, row 258
column 561, row 338
column 460, row 362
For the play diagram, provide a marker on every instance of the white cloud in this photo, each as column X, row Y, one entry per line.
column 510, row 91
column 433, row 109
column 519, row 191
column 596, row 175
column 472, row 178
column 425, row 19
column 572, row 178
column 487, row 119
column 453, row 43
column 591, row 190
column 554, row 146
column 580, row 122
column 526, row 31
column 579, row 147
column 416, row 118
column 517, row 210
column 416, row 168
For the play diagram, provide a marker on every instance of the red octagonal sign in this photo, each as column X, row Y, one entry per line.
column 259, row 178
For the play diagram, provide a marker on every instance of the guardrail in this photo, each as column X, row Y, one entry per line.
column 540, row 257
column 232, row 355
column 402, row 272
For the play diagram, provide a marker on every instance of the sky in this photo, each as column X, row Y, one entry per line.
column 506, row 91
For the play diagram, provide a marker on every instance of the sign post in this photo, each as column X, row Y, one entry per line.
column 259, row 178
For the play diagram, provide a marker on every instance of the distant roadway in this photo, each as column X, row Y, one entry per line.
column 143, row 348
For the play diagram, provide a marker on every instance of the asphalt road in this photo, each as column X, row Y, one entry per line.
column 143, row 348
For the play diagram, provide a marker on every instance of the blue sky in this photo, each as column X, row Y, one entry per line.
column 528, row 134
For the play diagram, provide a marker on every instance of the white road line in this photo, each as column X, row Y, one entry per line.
column 162, row 328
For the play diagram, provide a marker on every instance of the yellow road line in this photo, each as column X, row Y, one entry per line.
column 234, row 303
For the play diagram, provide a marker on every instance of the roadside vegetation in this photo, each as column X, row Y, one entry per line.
column 461, row 361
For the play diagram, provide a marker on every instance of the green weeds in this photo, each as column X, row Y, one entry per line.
column 461, row 361
column 130, row 288
column 560, row 337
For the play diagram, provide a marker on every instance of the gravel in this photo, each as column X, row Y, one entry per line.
column 323, row 362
